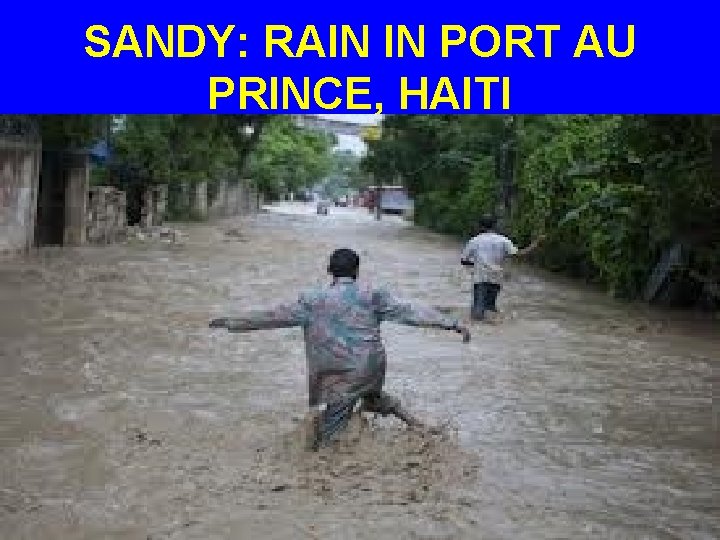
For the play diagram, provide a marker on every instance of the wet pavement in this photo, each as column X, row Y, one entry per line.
column 124, row 417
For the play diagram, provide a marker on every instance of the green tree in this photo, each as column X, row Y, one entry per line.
column 288, row 158
column 166, row 148
column 57, row 131
column 447, row 162
column 612, row 192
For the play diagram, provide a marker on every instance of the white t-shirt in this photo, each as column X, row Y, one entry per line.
column 488, row 251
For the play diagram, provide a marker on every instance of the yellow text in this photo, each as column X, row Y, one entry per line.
column 280, row 36
column 589, row 42
column 172, row 41
column 486, row 41
column 457, row 96
column 404, row 37
column 284, row 93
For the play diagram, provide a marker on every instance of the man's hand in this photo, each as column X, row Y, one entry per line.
column 536, row 243
column 218, row 323
column 532, row 247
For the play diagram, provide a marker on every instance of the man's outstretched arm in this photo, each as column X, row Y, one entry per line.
column 529, row 249
column 390, row 308
column 281, row 316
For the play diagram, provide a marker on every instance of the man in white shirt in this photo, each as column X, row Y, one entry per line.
column 486, row 253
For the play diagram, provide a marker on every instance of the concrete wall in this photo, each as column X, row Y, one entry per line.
column 184, row 200
column 106, row 216
column 233, row 205
column 217, row 205
column 21, row 164
column 147, row 212
column 154, row 206
column 200, row 199
column 236, row 199
column 19, row 173
column 76, row 199
column 161, row 204
column 246, row 197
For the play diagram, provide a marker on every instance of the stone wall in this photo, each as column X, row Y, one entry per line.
column 106, row 215
column 234, row 199
column 233, row 203
column 217, row 207
column 154, row 206
column 200, row 200
column 19, row 173
column 64, row 179
column 76, row 189
column 43, row 196
column 160, row 201
column 147, row 211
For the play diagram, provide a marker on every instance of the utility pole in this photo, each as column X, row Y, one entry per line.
column 516, row 141
column 108, row 135
column 377, row 200
column 378, row 204
column 507, row 167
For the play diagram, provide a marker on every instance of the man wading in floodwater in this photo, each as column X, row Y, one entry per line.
column 485, row 254
column 345, row 353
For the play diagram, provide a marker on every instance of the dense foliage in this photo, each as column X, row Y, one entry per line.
column 167, row 148
column 270, row 151
column 345, row 164
column 288, row 158
column 343, row 175
column 611, row 192
column 57, row 131
column 72, row 131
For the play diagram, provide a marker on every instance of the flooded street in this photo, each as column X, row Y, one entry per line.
column 125, row 417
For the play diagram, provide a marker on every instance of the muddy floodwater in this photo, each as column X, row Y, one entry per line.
column 122, row 416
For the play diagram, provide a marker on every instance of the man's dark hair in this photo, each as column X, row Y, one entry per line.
column 487, row 223
column 344, row 263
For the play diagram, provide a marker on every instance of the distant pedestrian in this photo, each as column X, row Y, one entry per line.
column 486, row 253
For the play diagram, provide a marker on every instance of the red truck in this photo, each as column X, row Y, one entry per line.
column 394, row 199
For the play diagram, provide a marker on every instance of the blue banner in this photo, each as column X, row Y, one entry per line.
column 365, row 57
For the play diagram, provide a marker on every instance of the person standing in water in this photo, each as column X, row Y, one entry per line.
column 345, row 353
column 486, row 253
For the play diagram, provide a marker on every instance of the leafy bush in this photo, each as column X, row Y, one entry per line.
column 611, row 192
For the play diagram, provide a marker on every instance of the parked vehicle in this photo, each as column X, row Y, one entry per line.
column 392, row 199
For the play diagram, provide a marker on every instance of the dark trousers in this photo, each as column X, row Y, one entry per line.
column 484, row 297
column 336, row 416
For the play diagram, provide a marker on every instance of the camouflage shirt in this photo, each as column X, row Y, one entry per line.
column 345, row 353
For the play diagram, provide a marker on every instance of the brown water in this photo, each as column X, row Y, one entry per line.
column 124, row 417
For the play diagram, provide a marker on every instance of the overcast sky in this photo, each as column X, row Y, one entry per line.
column 346, row 142
column 355, row 118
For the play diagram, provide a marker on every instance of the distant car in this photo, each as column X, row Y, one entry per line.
column 341, row 201
column 322, row 208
